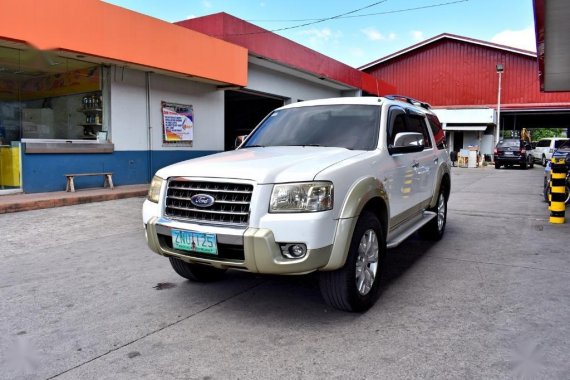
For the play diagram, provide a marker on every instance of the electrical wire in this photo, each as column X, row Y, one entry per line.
column 366, row 14
column 315, row 21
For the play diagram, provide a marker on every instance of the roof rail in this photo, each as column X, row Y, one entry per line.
column 407, row 99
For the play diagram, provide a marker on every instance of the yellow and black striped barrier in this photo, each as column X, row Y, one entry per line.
column 557, row 190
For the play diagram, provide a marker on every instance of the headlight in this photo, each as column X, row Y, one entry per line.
column 154, row 189
column 302, row 197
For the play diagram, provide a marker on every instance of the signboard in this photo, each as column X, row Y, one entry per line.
column 178, row 124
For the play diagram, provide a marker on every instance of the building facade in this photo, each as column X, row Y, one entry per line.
column 91, row 87
column 458, row 76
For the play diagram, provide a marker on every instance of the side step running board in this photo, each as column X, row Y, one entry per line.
column 403, row 232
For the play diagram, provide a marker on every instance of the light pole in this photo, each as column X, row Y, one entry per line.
column 500, row 70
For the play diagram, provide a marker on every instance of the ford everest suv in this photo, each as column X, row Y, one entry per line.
column 323, row 185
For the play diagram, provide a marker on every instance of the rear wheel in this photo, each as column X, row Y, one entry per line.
column 355, row 286
column 524, row 165
column 435, row 228
column 196, row 272
column 543, row 160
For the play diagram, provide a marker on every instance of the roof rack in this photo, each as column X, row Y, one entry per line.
column 407, row 99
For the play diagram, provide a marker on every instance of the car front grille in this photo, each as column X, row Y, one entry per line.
column 230, row 207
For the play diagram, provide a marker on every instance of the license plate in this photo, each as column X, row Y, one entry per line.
column 194, row 242
column 508, row 153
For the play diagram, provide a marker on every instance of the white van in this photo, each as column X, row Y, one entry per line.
column 545, row 147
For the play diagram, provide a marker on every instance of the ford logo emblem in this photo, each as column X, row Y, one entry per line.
column 202, row 200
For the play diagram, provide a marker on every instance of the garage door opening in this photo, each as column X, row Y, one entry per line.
column 243, row 111
column 512, row 122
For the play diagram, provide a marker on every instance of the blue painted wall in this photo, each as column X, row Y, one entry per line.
column 46, row 172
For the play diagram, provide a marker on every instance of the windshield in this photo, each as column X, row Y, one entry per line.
column 340, row 125
column 564, row 144
column 558, row 143
column 508, row 143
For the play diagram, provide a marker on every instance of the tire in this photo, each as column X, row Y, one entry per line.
column 196, row 272
column 435, row 228
column 356, row 286
column 531, row 164
column 524, row 166
column 543, row 160
column 497, row 165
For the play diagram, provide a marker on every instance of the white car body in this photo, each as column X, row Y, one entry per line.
column 545, row 147
column 405, row 184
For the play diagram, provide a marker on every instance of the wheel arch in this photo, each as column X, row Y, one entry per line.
column 366, row 194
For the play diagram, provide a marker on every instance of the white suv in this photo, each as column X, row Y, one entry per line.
column 324, row 185
column 545, row 147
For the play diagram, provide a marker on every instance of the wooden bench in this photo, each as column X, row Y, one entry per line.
column 71, row 185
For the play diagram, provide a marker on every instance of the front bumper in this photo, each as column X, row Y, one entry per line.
column 251, row 249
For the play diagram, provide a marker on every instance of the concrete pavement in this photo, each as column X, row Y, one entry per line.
column 83, row 297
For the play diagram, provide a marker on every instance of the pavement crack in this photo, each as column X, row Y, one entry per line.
column 503, row 265
column 160, row 329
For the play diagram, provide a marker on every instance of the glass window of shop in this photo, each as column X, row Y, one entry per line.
column 44, row 97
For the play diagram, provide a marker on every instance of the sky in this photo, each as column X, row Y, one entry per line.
column 365, row 30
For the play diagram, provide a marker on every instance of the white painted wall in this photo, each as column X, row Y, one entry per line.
column 128, row 119
column 128, row 110
column 465, row 115
column 280, row 84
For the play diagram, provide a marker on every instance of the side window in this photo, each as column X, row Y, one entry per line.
column 438, row 132
column 417, row 124
column 543, row 143
column 397, row 124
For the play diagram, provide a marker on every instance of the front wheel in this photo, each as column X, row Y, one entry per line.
column 355, row 286
column 196, row 272
column 497, row 165
column 435, row 228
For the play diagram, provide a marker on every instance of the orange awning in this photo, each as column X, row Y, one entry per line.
column 95, row 28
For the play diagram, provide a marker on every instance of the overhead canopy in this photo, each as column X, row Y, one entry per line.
column 553, row 44
column 464, row 127
column 108, row 33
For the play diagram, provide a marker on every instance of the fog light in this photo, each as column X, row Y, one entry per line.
column 294, row 251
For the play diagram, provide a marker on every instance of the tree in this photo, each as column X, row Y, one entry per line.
column 540, row 133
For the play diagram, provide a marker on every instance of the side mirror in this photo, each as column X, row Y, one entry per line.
column 407, row 142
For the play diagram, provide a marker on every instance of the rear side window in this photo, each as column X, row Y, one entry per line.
column 557, row 143
column 438, row 132
column 543, row 144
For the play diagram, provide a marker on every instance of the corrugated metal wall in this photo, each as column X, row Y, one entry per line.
column 456, row 73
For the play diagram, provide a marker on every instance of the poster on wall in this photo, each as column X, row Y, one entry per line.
column 178, row 124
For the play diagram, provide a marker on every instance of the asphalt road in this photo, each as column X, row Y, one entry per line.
column 82, row 297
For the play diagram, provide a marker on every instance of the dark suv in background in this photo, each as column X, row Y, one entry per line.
column 510, row 152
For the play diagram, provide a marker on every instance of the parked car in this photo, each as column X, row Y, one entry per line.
column 510, row 152
column 545, row 147
column 563, row 151
column 322, row 185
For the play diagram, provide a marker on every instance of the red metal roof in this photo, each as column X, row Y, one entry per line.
column 448, row 71
column 263, row 43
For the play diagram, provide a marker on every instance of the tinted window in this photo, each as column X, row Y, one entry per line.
column 543, row 143
column 438, row 132
column 557, row 143
column 342, row 125
column 418, row 125
column 508, row 143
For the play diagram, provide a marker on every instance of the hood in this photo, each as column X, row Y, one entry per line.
column 262, row 164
